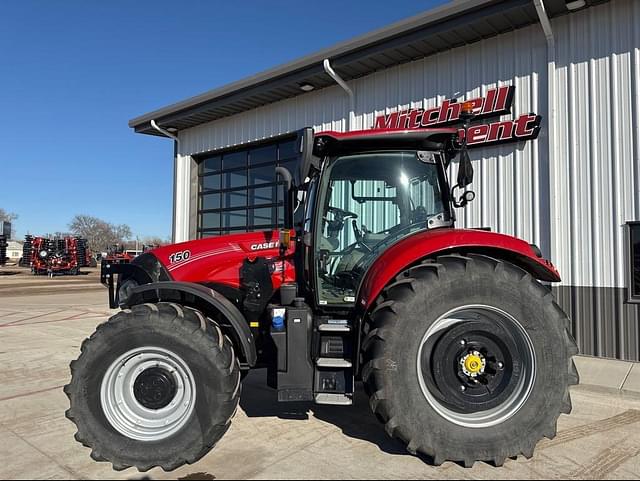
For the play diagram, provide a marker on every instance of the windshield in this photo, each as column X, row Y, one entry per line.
column 370, row 201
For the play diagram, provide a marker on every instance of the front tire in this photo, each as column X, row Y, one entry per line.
column 469, row 359
column 155, row 386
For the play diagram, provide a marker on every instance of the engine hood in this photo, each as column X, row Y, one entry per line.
column 217, row 260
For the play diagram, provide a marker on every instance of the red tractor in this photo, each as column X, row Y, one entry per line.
column 461, row 348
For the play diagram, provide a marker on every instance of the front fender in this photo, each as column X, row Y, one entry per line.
column 204, row 299
column 433, row 243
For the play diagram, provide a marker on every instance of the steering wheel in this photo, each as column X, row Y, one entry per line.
column 342, row 214
column 336, row 225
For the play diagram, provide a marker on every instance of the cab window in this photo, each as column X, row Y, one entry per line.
column 371, row 201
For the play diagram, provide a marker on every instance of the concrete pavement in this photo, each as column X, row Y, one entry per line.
column 41, row 334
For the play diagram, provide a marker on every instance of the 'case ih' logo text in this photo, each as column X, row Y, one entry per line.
column 264, row 246
column 496, row 102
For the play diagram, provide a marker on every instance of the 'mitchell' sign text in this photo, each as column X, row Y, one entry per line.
column 496, row 102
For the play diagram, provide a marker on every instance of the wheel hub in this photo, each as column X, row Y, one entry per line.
column 155, row 388
column 473, row 364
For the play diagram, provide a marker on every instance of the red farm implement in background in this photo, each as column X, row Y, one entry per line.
column 55, row 256
column 117, row 254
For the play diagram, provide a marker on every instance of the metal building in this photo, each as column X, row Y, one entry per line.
column 564, row 173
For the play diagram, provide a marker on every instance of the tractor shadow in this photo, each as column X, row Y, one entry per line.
column 355, row 421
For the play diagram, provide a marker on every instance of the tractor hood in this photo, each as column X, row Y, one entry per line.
column 218, row 260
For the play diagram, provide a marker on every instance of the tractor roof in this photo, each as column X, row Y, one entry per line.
column 336, row 143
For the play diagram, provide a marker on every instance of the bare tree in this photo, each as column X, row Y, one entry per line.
column 100, row 234
column 155, row 241
column 7, row 216
column 121, row 231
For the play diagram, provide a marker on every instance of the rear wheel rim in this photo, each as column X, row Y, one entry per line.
column 476, row 366
column 148, row 394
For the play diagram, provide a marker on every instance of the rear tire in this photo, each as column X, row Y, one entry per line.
column 195, row 388
column 450, row 335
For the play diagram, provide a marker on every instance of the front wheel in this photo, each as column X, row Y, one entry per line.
column 469, row 359
column 154, row 386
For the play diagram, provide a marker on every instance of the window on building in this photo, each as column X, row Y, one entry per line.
column 634, row 261
column 238, row 190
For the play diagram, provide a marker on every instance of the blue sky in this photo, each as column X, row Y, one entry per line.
column 73, row 73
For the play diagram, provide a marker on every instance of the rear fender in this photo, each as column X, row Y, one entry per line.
column 430, row 244
column 206, row 300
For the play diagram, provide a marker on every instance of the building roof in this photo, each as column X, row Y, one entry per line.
column 452, row 25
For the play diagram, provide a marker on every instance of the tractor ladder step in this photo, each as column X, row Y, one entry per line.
column 334, row 328
column 333, row 363
column 334, row 399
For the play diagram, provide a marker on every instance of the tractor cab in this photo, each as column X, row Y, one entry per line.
column 364, row 199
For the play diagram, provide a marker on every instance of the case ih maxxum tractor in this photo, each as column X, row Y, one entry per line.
column 462, row 350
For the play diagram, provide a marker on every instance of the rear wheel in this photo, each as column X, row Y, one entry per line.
column 154, row 386
column 469, row 359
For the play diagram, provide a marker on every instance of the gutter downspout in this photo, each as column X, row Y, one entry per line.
column 340, row 81
column 176, row 142
column 552, row 248
column 164, row 131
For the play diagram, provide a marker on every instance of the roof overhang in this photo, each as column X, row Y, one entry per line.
column 452, row 25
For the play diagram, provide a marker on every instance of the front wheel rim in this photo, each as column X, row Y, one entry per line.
column 480, row 381
column 148, row 394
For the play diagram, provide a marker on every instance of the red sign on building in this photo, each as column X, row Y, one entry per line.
column 495, row 103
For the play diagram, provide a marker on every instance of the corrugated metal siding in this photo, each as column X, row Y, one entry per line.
column 597, row 112
column 573, row 205
column 597, row 187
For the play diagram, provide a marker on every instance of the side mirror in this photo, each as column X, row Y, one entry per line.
column 289, row 196
column 465, row 167
column 308, row 162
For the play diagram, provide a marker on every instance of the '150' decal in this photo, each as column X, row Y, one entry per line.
column 179, row 257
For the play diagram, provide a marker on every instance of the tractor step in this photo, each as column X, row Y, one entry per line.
column 333, row 355
column 334, row 399
column 335, row 325
column 333, row 363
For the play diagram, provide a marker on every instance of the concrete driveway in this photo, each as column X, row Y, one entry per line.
column 41, row 334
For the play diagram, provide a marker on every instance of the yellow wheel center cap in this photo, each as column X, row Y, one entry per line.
column 473, row 364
